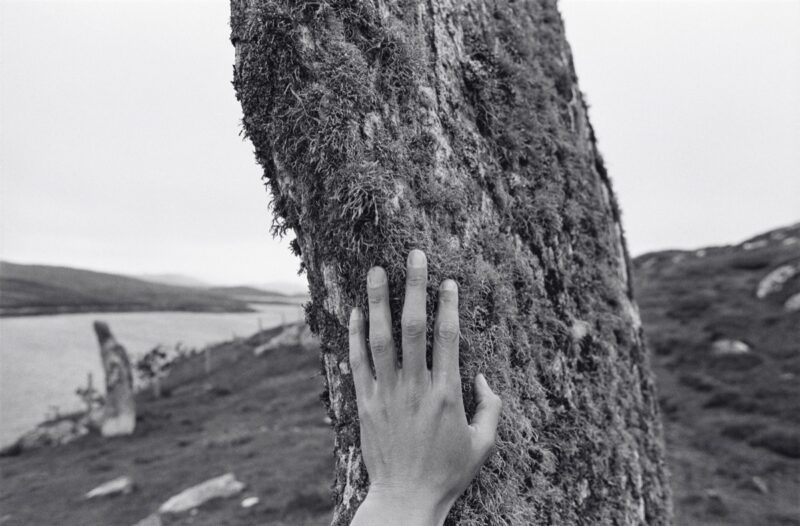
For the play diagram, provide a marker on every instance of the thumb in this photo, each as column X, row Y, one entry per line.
column 487, row 413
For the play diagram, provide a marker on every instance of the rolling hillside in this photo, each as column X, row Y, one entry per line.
column 41, row 289
column 723, row 325
column 258, row 295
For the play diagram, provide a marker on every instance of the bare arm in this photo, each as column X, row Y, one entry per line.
column 419, row 449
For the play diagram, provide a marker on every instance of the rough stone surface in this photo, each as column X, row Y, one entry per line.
column 118, row 486
column 459, row 128
column 119, row 409
column 220, row 487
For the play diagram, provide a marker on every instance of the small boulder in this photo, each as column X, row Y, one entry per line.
column 756, row 483
column 118, row 486
column 220, row 487
column 793, row 303
column 726, row 347
column 249, row 502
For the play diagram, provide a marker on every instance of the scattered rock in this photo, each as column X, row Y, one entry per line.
column 54, row 433
column 296, row 334
column 220, row 487
column 793, row 303
column 752, row 245
column 118, row 486
column 774, row 281
column 726, row 347
column 756, row 483
column 249, row 502
column 150, row 520
column 119, row 410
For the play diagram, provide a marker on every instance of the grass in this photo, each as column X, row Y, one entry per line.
column 727, row 417
column 259, row 418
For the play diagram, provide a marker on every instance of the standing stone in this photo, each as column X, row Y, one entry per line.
column 119, row 411
column 458, row 127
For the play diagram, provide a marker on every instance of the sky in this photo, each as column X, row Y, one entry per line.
column 120, row 145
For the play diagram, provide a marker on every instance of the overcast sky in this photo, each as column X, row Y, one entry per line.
column 120, row 146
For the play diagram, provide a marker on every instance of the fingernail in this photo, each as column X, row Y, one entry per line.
column 449, row 284
column 416, row 258
column 376, row 276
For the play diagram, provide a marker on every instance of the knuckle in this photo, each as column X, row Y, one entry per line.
column 448, row 297
column 416, row 278
column 379, row 343
column 356, row 361
column 447, row 331
column 450, row 398
column 498, row 402
column 363, row 412
column 356, row 329
column 376, row 294
column 414, row 327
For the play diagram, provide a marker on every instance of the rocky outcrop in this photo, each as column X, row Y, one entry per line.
column 52, row 433
column 775, row 280
column 294, row 335
column 119, row 410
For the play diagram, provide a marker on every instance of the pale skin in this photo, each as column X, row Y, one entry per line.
column 419, row 449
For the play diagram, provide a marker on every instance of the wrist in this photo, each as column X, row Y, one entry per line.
column 408, row 507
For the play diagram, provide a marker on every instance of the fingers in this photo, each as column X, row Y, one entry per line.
column 414, row 322
column 446, row 335
column 359, row 360
column 487, row 414
column 380, row 326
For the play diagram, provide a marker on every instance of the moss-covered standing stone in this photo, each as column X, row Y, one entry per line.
column 457, row 127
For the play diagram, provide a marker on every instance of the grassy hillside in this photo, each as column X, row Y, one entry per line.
column 257, row 295
column 258, row 417
column 732, row 416
column 41, row 289
column 732, row 411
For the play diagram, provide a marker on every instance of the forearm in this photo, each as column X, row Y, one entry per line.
column 388, row 509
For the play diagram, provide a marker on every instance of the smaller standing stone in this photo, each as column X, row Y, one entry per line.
column 119, row 410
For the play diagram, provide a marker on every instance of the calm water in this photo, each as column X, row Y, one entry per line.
column 43, row 359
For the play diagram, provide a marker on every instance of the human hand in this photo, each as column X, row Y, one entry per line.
column 419, row 449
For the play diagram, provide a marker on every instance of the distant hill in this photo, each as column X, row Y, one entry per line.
column 179, row 280
column 258, row 295
column 724, row 327
column 41, row 289
column 282, row 287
